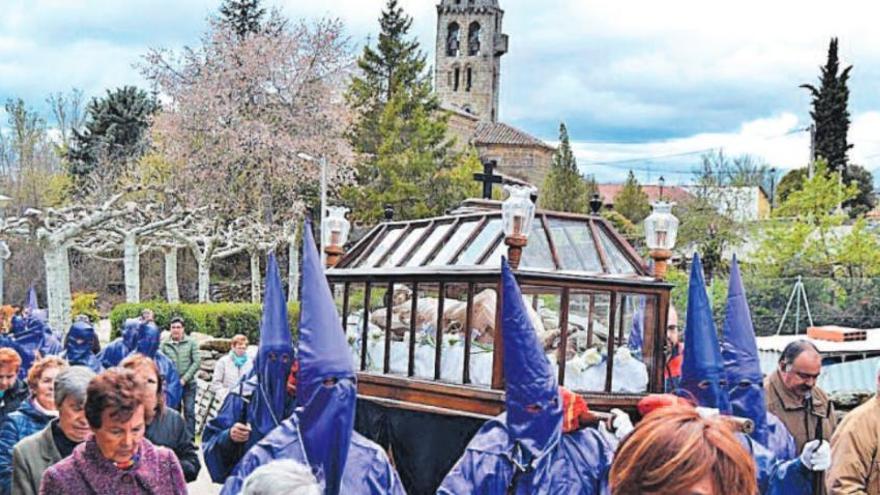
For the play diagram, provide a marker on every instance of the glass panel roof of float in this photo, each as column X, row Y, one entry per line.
column 557, row 242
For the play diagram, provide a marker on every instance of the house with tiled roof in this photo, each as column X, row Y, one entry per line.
column 676, row 194
column 467, row 81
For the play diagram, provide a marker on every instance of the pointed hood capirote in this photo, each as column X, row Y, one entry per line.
column 274, row 355
column 326, row 383
column 534, row 410
column 148, row 339
column 702, row 369
column 741, row 364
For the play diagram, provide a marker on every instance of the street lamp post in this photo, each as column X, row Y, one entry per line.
column 5, row 253
column 323, row 163
column 517, row 213
column 661, row 231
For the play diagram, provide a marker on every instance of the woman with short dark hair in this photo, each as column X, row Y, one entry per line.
column 117, row 459
column 166, row 428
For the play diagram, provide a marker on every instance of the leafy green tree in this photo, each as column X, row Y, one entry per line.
column 245, row 16
column 865, row 200
column 811, row 240
column 830, row 114
column 564, row 188
column 116, row 132
column 791, row 181
column 399, row 133
column 632, row 202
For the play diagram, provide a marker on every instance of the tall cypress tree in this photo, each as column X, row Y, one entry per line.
column 564, row 188
column 245, row 16
column 399, row 132
column 830, row 114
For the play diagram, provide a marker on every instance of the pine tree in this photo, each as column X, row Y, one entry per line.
column 116, row 131
column 564, row 188
column 405, row 159
column 245, row 16
column 632, row 202
column 830, row 114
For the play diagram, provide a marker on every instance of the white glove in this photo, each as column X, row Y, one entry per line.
column 816, row 455
column 621, row 423
column 707, row 412
column 622, row 354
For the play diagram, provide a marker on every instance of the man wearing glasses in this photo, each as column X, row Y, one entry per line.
column 804, row 408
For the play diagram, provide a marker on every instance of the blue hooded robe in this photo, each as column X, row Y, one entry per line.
column 260, row 400
column 114, row 352
column 745, row 382
column 320, row 433
column 148, row 345
column 78, row 347
column 704, row 378
column 524, row 451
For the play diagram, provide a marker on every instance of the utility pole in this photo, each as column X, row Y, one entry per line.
column 812, row 166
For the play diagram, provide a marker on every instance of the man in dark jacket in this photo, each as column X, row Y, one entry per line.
column 13, row 390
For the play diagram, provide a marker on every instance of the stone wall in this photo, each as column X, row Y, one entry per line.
column 529, row 163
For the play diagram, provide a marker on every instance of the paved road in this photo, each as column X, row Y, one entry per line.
column 203, row 485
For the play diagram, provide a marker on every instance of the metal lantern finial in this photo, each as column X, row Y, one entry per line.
column 335, row 233
column 517, row 213
column 661, row 232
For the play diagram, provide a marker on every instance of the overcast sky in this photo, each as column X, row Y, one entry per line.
column 631, row 79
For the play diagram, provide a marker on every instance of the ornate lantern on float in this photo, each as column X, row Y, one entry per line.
column 661, row 231
column 335, row 233
column 517, row 213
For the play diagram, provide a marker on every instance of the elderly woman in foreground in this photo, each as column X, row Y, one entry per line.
column 33, row 455
column 674, row 450
column 117, row 459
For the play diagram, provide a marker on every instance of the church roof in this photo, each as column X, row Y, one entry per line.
column 499, row 133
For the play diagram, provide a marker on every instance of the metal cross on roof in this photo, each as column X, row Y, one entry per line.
column 488, row 177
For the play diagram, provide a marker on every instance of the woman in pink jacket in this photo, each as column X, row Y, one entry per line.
column 116, row 459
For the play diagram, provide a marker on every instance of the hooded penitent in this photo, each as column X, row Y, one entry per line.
column 702, row 370
column 740, row 351
column 114, row 352
column 78, row 347
column 130, row 333
column 148, row 339
column 31, row 305
column 274, row 356
column 534, row 410
column 29, row 333
column 326, row 385
column 148, row 345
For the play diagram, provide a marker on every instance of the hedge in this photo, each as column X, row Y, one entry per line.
column 215, row 319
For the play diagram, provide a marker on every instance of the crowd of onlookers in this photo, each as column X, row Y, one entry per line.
column 112, row 402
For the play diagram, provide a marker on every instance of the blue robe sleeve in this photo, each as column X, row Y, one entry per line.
column 462, row 477
column 779, row 440
column 220, row 452
column 9, row 436
column 255, row 458
column 112, row 354
column 171, row 381
column 790, row 478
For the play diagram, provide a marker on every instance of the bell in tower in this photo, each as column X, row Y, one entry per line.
column 469, row 49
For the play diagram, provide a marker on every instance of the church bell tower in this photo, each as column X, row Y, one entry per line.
column 470, row 44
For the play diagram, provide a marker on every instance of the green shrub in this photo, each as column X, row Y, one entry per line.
column 85, row 303
column 215, row 319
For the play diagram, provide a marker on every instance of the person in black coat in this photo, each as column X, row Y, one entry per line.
column 165, row 426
